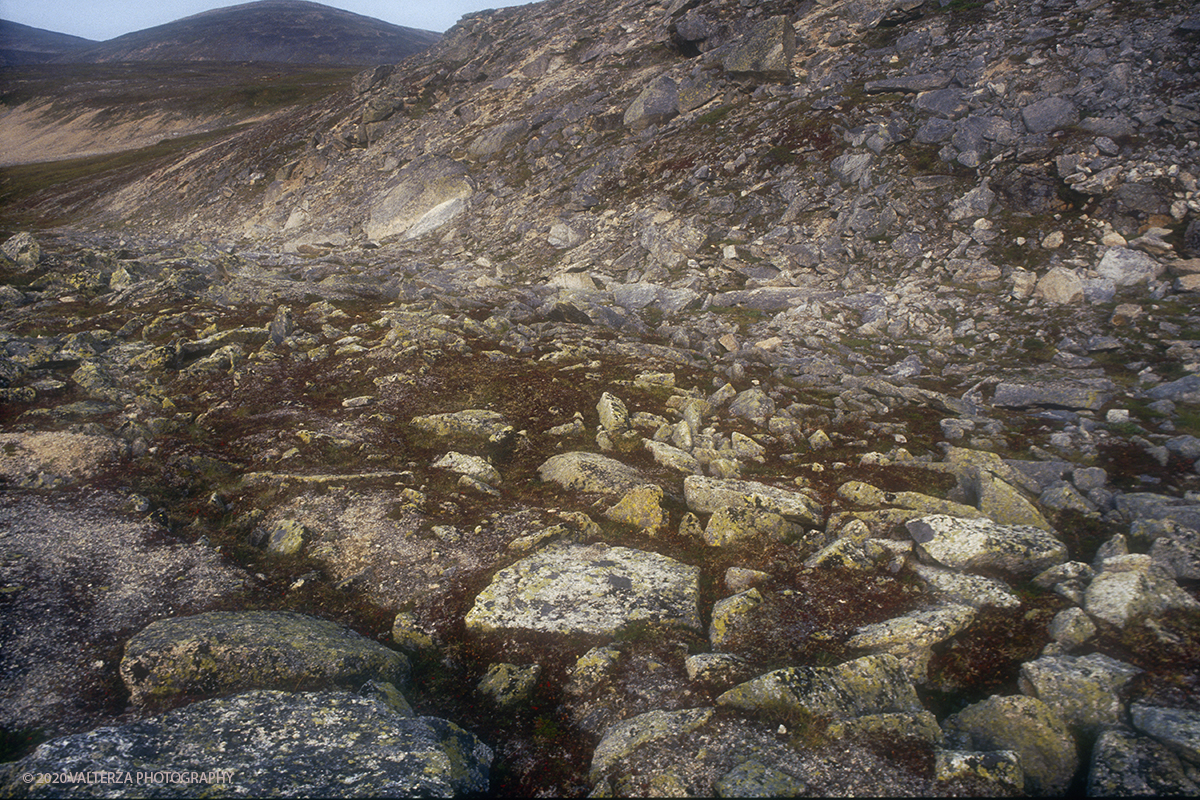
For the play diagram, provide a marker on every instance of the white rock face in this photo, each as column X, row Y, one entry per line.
column 569, row 588
column 971, row 544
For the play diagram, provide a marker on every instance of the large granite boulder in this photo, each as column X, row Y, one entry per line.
column 221, row 652
column 973, row 544
column 591, row 472
column 420, row 193
column 707, row 495
column 876, row 684
column 572, row 589
column 1129, row 586
column 1084, row 691
column 265, row 743
column 1026, row 726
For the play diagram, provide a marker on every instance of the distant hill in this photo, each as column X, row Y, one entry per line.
column 283, row 31
column 21, row 44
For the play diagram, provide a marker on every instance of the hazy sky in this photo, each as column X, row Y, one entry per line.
column 110, row 18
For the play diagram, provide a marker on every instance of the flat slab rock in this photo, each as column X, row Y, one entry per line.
column 974, row 544
column 706, row 495
column 228, row 651
column 266, row 743
column 571, row 589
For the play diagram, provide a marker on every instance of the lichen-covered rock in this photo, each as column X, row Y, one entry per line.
column 641, row 507
column 266, row 743
column 226, row 651
column 707, row 495
column 1003, row 504
column 1026, row 726
column 865, row 494
column 473, row 467
column 419, row 191
column 998, row 768
column 975, row 591
column 911, row 637
column 869, row 685
column 902, row 724
column 733, row 526
column 567, row 588
column 1129, row 587
column 478, row 430
column 1085, row 691
column 1127, row 764
column 590, row 472
column 1071, row 628
column 729, row 614
column 963, row 544
column 626, row 736
column 1176, row 728
column 755, row 779
column 510, row 685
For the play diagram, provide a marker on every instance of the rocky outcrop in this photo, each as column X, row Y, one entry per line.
column 327, row 743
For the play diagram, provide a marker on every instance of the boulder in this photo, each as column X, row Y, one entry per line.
column 497, row 139
column 1023, row 725
column 1085, row 691
column 963, row 544
column 478, row 430
column 733, row 526
column 221, row 652
column 570, row 589
column 765, row 52
column 428, row 185
column 875, row 684
column 656, row 104
column 1000, row 769
column 1050, row 114
column 975, row 591
column 1178, row 729
column 1129, row 587
column 911, row 637
column 266, row 743
column 1060, row 286
column 1126, row 764
column 641, row 507
column 590, row 472
column 1125, row 267
column 626, row 736
column 706, row 495
column 1072, row 395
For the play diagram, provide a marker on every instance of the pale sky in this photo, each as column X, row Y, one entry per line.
column 112, row 18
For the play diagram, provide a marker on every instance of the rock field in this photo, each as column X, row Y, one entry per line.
column 732, row 398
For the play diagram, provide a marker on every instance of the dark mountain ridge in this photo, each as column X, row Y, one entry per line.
column 23, row 44
column 283, row 31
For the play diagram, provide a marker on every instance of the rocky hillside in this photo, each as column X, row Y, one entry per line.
column 697, row 398
column 281, row 31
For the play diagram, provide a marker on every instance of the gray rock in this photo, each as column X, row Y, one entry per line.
column 509, row 686
column 975, row 203
column 1119, row 595
column 1060, row 286
column 707, row 495
column 1071, row 628
column 590, row 472
column 869, row 685
column 950, row 103
column 426, row 187
column 474, row 467
column 1025, row 726
column 908, row 83
column 911, row 637
column 982, row 545
column 1050, row 114
column 227, row 651
column 755, row 779
column 1125, row 764
column 1057, row 394
column 975, row 591
column 1176, row 728
column 766, row 51
column 656, row 104
column 998, row 768
column 478, row 430
column 571, row 589
column 268, row 743
column 1183, row 390
column 626, row 736
column 1126, row 267
column 1085, row 691
column 497, row 139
